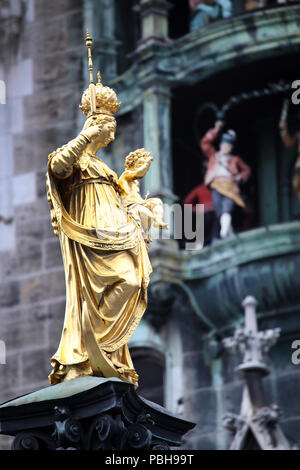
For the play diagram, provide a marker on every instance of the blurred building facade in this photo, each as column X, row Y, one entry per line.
column 164, row 75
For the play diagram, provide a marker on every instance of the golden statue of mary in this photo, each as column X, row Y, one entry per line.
column 105, row 257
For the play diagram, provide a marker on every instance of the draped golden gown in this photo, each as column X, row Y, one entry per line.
column 106, row 267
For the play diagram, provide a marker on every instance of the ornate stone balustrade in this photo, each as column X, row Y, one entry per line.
column 222, row 45
column 263, row 262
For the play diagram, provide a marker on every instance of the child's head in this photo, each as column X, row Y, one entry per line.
column 136, row 158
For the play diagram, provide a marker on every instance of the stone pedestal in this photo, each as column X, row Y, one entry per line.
column 90, row 413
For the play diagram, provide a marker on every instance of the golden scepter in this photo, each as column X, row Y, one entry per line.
column 92, row 87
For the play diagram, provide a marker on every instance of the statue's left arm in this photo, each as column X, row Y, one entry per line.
column 137, row 173
column 63, row 160
column 142, row 170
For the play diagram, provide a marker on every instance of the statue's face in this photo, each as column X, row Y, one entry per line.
column 108, row 133
column 108, row 130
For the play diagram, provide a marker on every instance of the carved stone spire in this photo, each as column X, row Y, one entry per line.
column 253, row 344
column 255, row 418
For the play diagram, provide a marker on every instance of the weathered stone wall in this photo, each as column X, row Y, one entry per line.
column 42, row 67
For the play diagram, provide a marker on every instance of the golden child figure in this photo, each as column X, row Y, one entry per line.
column 144, row 211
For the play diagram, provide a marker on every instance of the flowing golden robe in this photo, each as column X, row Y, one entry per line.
column 106, row 266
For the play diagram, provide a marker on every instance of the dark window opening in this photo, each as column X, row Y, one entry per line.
column 250, row 442
column 179, row 17
column 150, row 365
column 128, row 36
column 269, row 194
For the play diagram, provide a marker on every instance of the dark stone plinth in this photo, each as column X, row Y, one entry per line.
column 90, row 413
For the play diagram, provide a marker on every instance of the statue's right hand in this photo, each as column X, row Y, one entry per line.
column 93, row 131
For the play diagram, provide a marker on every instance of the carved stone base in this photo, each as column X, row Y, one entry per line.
column 90, row 413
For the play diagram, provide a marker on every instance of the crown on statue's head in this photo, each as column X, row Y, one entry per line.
column 106, row 100
column 97, row 99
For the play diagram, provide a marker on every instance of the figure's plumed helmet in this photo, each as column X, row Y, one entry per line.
column 229, row 137
column 97, row 99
